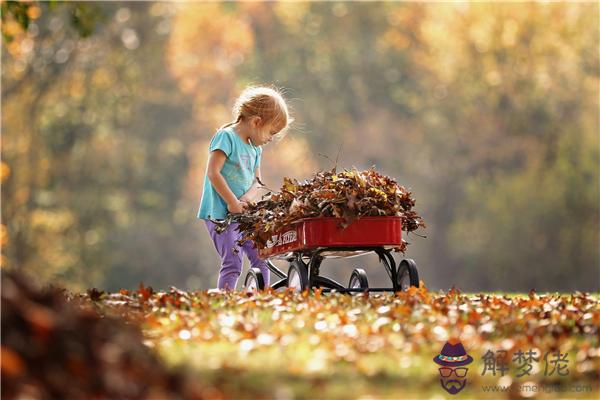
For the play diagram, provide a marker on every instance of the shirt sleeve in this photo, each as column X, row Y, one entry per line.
column 221, row 141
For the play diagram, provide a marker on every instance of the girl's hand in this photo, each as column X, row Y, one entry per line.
column 245, row 199
column 236, row 208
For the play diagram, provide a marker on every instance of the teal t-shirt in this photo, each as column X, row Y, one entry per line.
column 239, row 171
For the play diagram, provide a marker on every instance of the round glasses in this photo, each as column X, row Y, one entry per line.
column 459, row 372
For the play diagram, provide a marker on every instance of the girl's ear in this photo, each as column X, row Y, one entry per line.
column 256, row 121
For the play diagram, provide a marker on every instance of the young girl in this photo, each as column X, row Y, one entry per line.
column 232, row 171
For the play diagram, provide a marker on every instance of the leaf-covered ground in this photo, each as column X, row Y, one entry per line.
column 287, row 345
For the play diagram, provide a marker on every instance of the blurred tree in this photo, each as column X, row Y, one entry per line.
column 442, row 96
column 484, row 111
column 95, row 138
column 518, row 116
column 16, row 16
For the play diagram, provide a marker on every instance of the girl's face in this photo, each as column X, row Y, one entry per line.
column 263, row 133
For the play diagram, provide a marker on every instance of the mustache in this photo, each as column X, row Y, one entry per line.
column 453, row 386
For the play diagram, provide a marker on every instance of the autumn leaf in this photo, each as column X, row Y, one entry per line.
column 348, row 195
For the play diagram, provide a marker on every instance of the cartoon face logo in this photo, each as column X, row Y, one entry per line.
column 453, row 358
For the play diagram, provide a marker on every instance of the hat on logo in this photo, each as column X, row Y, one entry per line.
column 453, row 354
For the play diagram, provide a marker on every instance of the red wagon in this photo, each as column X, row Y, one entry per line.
column 307, row 242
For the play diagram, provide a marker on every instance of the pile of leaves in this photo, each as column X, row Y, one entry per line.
column 52, row 348
column 347, row 195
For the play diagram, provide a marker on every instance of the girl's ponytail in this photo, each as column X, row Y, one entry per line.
column 239, row 118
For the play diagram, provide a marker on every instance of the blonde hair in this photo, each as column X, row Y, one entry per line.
column 264, row 102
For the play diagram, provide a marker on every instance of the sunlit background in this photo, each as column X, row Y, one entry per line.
column 488, row 112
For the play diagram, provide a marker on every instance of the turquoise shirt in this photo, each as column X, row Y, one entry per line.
column 239, row 171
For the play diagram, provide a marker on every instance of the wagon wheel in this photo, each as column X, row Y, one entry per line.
column 254, row 280
column 358, row 279
column 407, row 274
column 298, row 276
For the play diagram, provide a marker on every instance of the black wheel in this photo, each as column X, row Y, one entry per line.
column 358, row 279
column 407, row 274
column 254, row 280
column 298, row 276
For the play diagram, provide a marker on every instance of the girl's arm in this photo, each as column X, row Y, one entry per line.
column 254, row 190
column 216, row 160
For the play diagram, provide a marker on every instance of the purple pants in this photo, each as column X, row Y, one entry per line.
column 231, row 256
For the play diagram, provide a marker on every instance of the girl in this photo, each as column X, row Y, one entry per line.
column 231, row 175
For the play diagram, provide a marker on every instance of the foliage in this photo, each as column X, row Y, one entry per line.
column 52, row 348
column 452, row 99
column 381, row 345
column 84, row 198
column 348, row 195
column 220, row 344
column 483, row 111
column 17, row 15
